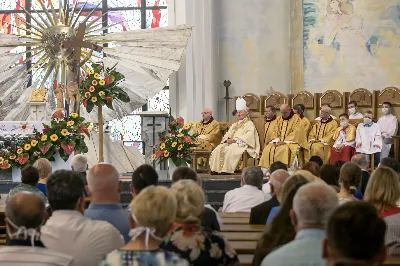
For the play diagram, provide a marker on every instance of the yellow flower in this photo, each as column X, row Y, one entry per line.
column 153, row 157
column 1, row 160
column 180, row 147
column 90, row 126
column 87, row 94
column 70, row 123
column 192, row 124
column 12, row 157
column 74, row 115
column 44, row 138
column 180, row 135
column 34, row 143
column 54, row 137
column 102, row 93
column 64, row 132
column 102, row 82
column 96, row 76
column 94, row 99
column 187, row 126
column 27, row 147
column 94, row 82
column 166, row 154
column 91, row 89
column 162, row 146
column 19, row 151
column 174, row 144
column 91, row 71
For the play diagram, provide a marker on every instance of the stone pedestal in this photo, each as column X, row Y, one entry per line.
column 37, row 111
column 153, row 123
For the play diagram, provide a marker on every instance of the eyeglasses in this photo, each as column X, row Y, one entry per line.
column 204, row 113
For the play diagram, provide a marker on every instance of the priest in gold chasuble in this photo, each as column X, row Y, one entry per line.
column 286, row 139
column 306, row 126
column 270, row 124
column 241, row 137
column 209, row 132
column 320, row 139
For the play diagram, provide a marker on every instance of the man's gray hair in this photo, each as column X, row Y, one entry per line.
column 360, row 159
column 313, row 203
column 79, row 163
column 253, row 176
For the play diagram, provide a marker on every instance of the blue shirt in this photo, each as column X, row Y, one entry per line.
column 112, row 213
column 272, row 213
column 42, row 187
column 304, row 250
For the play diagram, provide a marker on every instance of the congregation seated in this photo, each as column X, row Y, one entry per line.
column 143, row 176
column 330, row 174
column 312, row 205
column 274, row 166
column 67, row 230
column 104, row 188
column 80, row 165
column 383, row 191
column 25, row 213
column 260, row 212
column 248, row 195
column 391, row 163
column 152, row 214
column 362, row 161
column 29, row 180
column 45, row 169
column 188, row 239
column 365, row 247
column 349, row 180
column 316, row 159
column 210, row 218
column 280, row 230
column 241, row 137
column 312, row 167
column 344, row 137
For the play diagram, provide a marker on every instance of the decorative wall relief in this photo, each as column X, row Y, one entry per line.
column 333, row 98
column 390, row 94
column 305, row 98
column 363, row 97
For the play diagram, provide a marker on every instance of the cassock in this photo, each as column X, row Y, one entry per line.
column 347, row 137
column 322, row 131
column 225, row 157
column 211, row 132
column 368, row 136
column 388, row 127
column 289, row 131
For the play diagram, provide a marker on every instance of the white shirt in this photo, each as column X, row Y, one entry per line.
column 342, row 140
column 356, row 115
column 243, row 199
column 32, row 256
column 368, row 137
column 388, row 126
column 87, row 241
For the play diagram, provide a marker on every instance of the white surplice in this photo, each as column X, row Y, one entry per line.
column 368, row 137
column 356, row 115
column 388, row 126
column 342, row 140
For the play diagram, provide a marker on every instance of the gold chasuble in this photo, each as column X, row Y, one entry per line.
column 212, row 133
column 225, row 157
column 288, row 130
column 322, row 131
column 269, row 129
column 306, row 126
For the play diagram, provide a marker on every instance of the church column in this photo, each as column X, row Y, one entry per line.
column 195, row 86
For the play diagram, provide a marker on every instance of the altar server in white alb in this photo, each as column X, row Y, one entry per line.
column 353, row 112
column 241, row 137
column 368, row 138
column 388, row 126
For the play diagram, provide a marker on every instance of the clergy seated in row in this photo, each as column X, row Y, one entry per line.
column 322, row 106
column 353, row 112
column 320, row 139
column 388, row 125
column 286, row 138
column 368, row 138
column 306, row 126
column 345, row 141
column 241, row 137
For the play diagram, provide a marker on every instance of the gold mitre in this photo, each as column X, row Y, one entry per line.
column 38, row 95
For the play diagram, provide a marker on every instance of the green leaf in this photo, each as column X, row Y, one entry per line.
column 89, row 106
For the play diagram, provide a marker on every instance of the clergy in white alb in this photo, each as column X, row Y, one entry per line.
column 353, row 112
column 388, row 125
column 241, row 137
column 368, row 138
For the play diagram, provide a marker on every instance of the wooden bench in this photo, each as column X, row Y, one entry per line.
column 234, row 220
column 244, row 247
column 234, row 214
column 242, row 227
column 242, row 236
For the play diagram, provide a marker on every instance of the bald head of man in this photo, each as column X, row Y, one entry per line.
column 104, row 185
column 24, row 209
column 325, row 112
column 276, row 181
column 207, row 114
column 285, row 110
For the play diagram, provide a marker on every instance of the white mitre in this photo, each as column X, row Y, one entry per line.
column 240, row 104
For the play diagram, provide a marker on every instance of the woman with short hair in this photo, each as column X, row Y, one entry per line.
column 188, row 239
column 45, row 169
column 153, row 212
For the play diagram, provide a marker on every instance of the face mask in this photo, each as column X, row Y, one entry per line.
column 27, row 233
column 344, row 124
column 352, row 111
column 139, row 230
column 367, row 120
column 385, row 110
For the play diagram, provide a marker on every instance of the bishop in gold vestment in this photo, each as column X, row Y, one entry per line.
column 320, row 139
column 241, row 137
column 286, row 139
column 209, row 132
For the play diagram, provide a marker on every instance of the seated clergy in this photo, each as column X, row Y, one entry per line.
column 270, row 123
column 320, row 138
column 286, row 139
column 344, row 137
column 368, row 138
column 353, row 112
column 322, row 106
column 306, row 126
column 388, row 126
column 241, row 137
column 209, row 131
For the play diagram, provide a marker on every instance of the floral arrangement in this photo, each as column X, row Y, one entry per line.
column 176, row 146
column 64, row 135
column 100, row 87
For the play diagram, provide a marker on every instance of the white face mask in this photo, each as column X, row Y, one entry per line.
column 367, row 120
column 344, row 124
column 352, row 111
column 385, row 110
column 139, row 230
column 27, row 233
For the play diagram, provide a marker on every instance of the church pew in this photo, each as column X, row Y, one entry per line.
column 234, row 214
column 234, row 220
column 242, row 236
column 244, row 247
column 245, row 259
column 242, row 228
